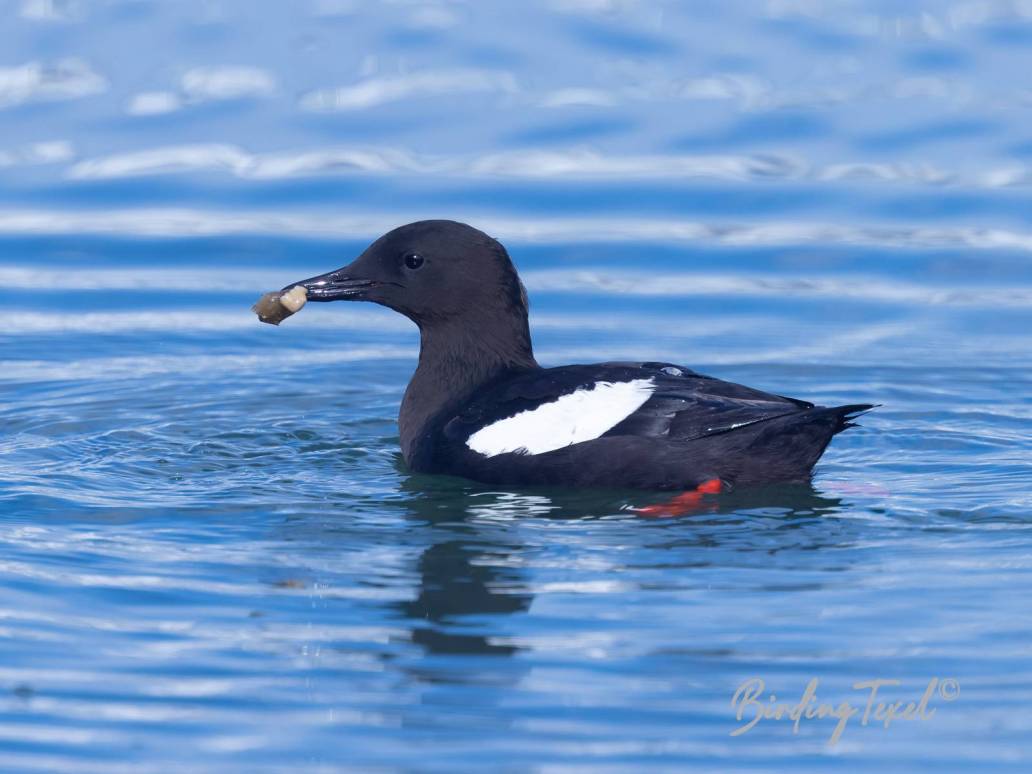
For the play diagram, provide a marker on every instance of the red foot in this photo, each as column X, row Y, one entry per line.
column 683, row 503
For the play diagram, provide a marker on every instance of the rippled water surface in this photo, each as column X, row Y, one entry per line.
column 211, row 556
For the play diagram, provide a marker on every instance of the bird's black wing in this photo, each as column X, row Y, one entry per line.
column 689, row 405
column 683, row 405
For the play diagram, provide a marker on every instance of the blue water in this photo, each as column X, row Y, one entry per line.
column 211, row 555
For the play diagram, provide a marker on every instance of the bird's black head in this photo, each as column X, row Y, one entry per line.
column 431, row 271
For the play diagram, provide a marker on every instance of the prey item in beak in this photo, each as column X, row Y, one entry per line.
column 277, row 306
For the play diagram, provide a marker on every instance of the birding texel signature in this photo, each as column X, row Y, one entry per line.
column 752, row 706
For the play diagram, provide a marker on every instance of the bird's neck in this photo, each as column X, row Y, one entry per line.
column 456, row 358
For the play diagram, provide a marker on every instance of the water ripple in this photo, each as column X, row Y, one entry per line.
column 38, row 82
column 185, row 223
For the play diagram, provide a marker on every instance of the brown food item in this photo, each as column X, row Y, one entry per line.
column 277, row 306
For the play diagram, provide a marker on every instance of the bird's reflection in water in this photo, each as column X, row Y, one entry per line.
column 470, row 573
column 792, row 502
column 473, row 570
column 455, row 583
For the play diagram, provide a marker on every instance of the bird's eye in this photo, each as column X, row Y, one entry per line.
column 413, row 260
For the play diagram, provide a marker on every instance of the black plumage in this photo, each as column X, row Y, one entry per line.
column 476, row 368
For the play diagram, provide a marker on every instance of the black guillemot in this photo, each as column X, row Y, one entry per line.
column 479, row 405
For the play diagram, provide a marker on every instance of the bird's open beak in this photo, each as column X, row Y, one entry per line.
column 335, row 286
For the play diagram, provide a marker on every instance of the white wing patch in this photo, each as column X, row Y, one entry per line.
column 580, row 416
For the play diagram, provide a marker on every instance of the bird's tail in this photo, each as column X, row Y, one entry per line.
column 791, row 445
column 847, row 415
